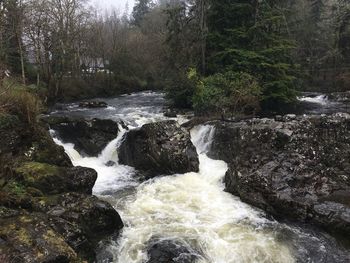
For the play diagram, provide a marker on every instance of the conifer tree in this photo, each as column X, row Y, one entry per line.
column 141, row 9
column 252, row 36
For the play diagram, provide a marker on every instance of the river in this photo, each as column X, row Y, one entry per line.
column 193, row 208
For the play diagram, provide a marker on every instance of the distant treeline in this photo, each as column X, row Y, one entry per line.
column 228, row 56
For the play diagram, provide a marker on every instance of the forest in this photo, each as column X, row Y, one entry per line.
column 213, row 56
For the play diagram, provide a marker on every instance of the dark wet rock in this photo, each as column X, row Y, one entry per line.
column 170, row 114
column 306, row 241
column 93, row 104
column 74, row 236
column 50, row 179
column 47, row 213
column 11, row 138
column 60, row 228
column 89, row 137
column 297, row 167
column 29, row 238
column 110, row 163
column 45, row 150
column 339, row 96
column 95, row 217
column 67, row 227
column 6, row 212
column 19, row 141
column 159, row 148
column 14, row 195
column 170, row 251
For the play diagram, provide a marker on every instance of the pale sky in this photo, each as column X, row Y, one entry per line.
column 120, row 4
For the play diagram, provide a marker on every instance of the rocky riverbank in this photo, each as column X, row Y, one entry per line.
column 47, row 212
column 293, row 167
column 296, row 168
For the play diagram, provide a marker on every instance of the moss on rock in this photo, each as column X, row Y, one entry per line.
column 30, row 237
column 14, row 194
column 8, row 121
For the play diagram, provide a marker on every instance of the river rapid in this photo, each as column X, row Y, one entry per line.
column 192, row 209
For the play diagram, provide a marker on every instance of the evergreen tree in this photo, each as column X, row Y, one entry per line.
column 183, row 51
column 252, row 36
column 11, row 35
column 140, row 10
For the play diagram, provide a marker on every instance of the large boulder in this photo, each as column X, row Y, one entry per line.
column 295, row 167
column 20, row 142
column 51, row 179
column 89, row 137
column 159, row 148
column 170, row 251
column 96, row 218
column 59, row 228
column 31, row 239
column 47, row 213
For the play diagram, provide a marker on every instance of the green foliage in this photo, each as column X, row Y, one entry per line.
column 19, row 100
column 229, row 93
column 15, row 188
column 252, row 37
column 180, row 90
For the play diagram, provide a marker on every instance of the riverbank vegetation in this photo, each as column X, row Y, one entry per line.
column 222, row 56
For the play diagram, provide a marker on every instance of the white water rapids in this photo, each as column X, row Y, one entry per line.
column 192, row 208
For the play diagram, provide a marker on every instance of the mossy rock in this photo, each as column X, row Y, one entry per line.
column 51, row 179
column 14, row 195
column 42, row 176
column 6, row 212
column 95, row 217
column 45, row 150
column 29, row 238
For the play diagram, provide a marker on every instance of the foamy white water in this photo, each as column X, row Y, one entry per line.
column 194, row 208
column 320, row 99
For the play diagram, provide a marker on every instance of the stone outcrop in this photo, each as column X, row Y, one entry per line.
column 89, row 137
column 50, row 179
column 159, row 148
column 292, row 167
column 47, row 213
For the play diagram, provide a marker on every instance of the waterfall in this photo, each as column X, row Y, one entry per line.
column 202, row 137
column 194, row 209
column 112, row 177
column 191, row 208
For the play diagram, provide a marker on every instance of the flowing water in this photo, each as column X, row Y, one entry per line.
column 191, row 208
column 316, row 103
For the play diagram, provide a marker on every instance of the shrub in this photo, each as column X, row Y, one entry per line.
column 180, row 89
column 230, row 93
column 19, row 100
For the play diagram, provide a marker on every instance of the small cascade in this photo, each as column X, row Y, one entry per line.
column 110, row 152
column 320, row 99
column 202, row 137
column 73, row 154
column 112, row 177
